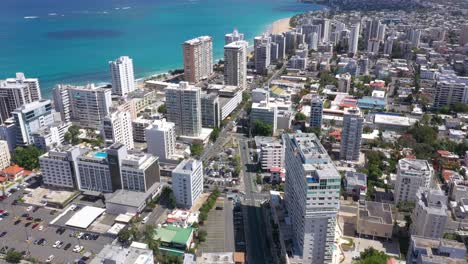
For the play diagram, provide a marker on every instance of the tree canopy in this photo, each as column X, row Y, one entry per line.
column 162, row 109
column 196, row 149
column 13, row 256
column 27, row 157
column 261, row 128
column 371, row 256
column 72, row 135
column 300, row 116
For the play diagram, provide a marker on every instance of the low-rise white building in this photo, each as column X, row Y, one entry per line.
column 266, row 113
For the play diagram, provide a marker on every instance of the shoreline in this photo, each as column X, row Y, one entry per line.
column 276, row 27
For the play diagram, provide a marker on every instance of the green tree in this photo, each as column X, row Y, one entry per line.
column 13, row 256
column 27, row 157
column 371, row 256
column 72, row 135
column 124, row 235
column 196, row 149
column 214, row 134
column 162, row 109
column 261, row 128
column 423, row 134
column 300, row 116
column 367, row 130
column 258, row 179
column 202, row 235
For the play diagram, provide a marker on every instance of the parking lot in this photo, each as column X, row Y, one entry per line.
column 219, row 228
column 20, row 234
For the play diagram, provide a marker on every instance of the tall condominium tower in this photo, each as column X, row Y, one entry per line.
column 262, row 54
column 234, row 36
column 31, row 117
column 312, row 194
column 316, row 112
column 430, row 213
column 235, row 64
column 183, row 104
column 117, row 128
column 280, row 40
column 15, row 92
column 354, row 38
column 351, row 136
column 86, row 105
column 198, row 59
column 123, row 79
column 374, row 33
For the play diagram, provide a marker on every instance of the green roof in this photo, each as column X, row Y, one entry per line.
column 173, row 234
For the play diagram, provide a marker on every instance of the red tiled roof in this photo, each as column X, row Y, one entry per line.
column 12, row 170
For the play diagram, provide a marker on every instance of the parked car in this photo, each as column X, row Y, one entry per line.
column 34, row 226
column 29, row 208
column 50, row 258
column 67, row 246
column 3, row 234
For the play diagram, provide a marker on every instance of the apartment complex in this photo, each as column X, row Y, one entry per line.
column 210, row 110
column 351, row 136
column 411, row 175
column 161, row 137
column 198, row 59
column 183, row 104
column 262, row 54
column 139, row 171
column 30, row 118
column 450, row 89
column 123, row 79
column 15, row 92
column 86, row 105
column 117, row 128
column 235, row 64
column 187, row 182
column 430, row 214
column 58, row 166
column 312, row 194
column 270, row 152
column 354, row 38
column 375, row 219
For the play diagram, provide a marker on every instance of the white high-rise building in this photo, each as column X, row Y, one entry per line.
column 187, row 182
column 5, row 157
column 235, row 64
column 430, row 213
column 183, row 104
column 30, row 118
column 450, row 89
column 411, row 175
column 351, row 136
column 117, row 128
column 354, row 38
column 312, row 194
column 59, row 168
column 15, row 92
column 270, row 152
column 198, row 59
column 123, row 79
column 86, row 105
column 232, row 37
column 161, row 138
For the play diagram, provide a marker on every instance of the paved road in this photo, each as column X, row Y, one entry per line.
column 257, row 246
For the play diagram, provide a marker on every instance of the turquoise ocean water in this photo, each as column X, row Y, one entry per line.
column 65, row 41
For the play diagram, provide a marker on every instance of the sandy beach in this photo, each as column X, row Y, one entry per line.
column 280, row 26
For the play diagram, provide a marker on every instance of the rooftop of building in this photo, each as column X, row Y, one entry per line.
column 140, row 160
column 425, row 242
column 237, row 44
column 376, row 212
column 267, row 141
column 33, row 105
column 173, row 234
column 414, row 165
column 187, row 166
column 356, row 178
column 433, row 200
column 114, row 254
column 198, row 40
column 393, row 120
column 130, row 198
column 182, row 86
